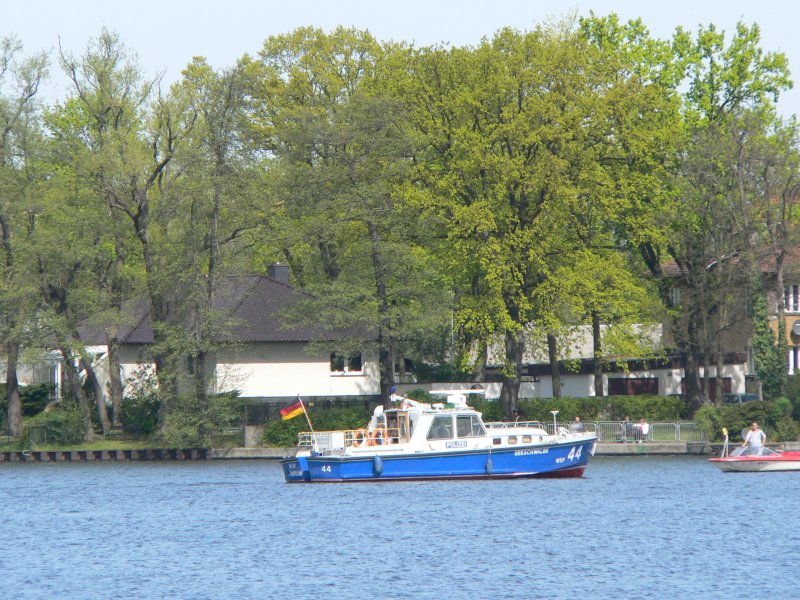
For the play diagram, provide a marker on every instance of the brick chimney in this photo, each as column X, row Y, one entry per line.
column 279, row 272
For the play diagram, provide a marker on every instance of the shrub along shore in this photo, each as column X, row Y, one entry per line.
column 60, row 427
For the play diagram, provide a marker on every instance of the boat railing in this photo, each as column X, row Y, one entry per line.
column 338, row 440
column 617, row 431
column 561, row 426
column 511, row 424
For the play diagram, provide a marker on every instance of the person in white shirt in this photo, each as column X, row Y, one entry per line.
column 644, row 429
column 755, row 438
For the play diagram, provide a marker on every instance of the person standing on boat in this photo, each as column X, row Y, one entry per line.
column 756, row 438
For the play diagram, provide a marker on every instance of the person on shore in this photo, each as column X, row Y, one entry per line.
column 627, row 429
column 755, row 438
column 577, row 426
column 644, row 430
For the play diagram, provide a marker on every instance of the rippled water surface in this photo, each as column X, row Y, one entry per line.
column 634, row 527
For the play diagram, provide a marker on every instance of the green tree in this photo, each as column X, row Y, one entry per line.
column 339, row 136
column 704, row 214
column 19, row 132
column 769, row 347
column 530, row 165
column 133, row 135
column 227, row 209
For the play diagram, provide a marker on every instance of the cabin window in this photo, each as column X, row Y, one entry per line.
column 341, row 365
column 441, row 428
column 469, row 426
column 526, row 439
column 397, row 425
column 512, row 439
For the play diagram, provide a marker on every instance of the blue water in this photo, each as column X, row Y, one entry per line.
column 633, row 527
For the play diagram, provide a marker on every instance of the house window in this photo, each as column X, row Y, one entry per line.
column 675, row 296
column 791, row 298
column 190, row 365
column 349, row 365
column 632, row 386
column 794, row 358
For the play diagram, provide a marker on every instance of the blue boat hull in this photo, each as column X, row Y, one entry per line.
column 563, row 460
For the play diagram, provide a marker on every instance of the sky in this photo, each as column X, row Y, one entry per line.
column 166, row 34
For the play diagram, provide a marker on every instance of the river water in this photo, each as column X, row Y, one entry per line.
column 632, row 527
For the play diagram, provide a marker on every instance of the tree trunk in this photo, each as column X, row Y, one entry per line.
column 598, row 356
column 385, row 350
column 167, row 384
column 114, row 375
column 165, row 370
column 555, row 368
column 77, row 392
column 779, row 255
column 387, row 374
column 99, row 395
column 718, row 391
column 509, row 392
column 693, row 351
column 112, row 332
column 200, row 379
column 14, row 403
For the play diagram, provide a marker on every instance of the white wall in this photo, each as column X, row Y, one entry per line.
column 582, row 386
column 275, row 370
column 286, row 370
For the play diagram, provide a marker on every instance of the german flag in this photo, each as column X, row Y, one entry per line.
column 290, row 412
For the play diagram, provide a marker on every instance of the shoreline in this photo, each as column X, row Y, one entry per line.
column 205, row 454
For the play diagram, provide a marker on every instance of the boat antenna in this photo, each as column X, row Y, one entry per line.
column 555, row 424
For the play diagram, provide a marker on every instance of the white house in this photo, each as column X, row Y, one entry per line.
column 260, row 354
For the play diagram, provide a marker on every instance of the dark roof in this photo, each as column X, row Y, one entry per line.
column 765, row 257
column 250, row 309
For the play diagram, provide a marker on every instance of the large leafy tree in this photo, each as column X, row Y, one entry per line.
column 710, row 235
column 19, row 153
column 533, row 145
column 342, row 156
column 132, row 135
column 224, row 204
column 769, row 175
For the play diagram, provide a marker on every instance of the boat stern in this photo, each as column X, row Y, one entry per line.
column 295, row 470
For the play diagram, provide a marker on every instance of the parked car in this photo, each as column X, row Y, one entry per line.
column 738, row 398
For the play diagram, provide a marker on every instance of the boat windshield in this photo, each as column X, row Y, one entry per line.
column 441, row 428
column 750, row 451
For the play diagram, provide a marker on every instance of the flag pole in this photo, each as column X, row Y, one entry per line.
column 310, row 426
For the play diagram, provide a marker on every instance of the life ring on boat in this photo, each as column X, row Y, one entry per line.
column 359, row 437
column 378, row 437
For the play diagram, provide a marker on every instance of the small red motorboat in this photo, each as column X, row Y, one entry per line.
column 758, row 459
column 748, row 459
